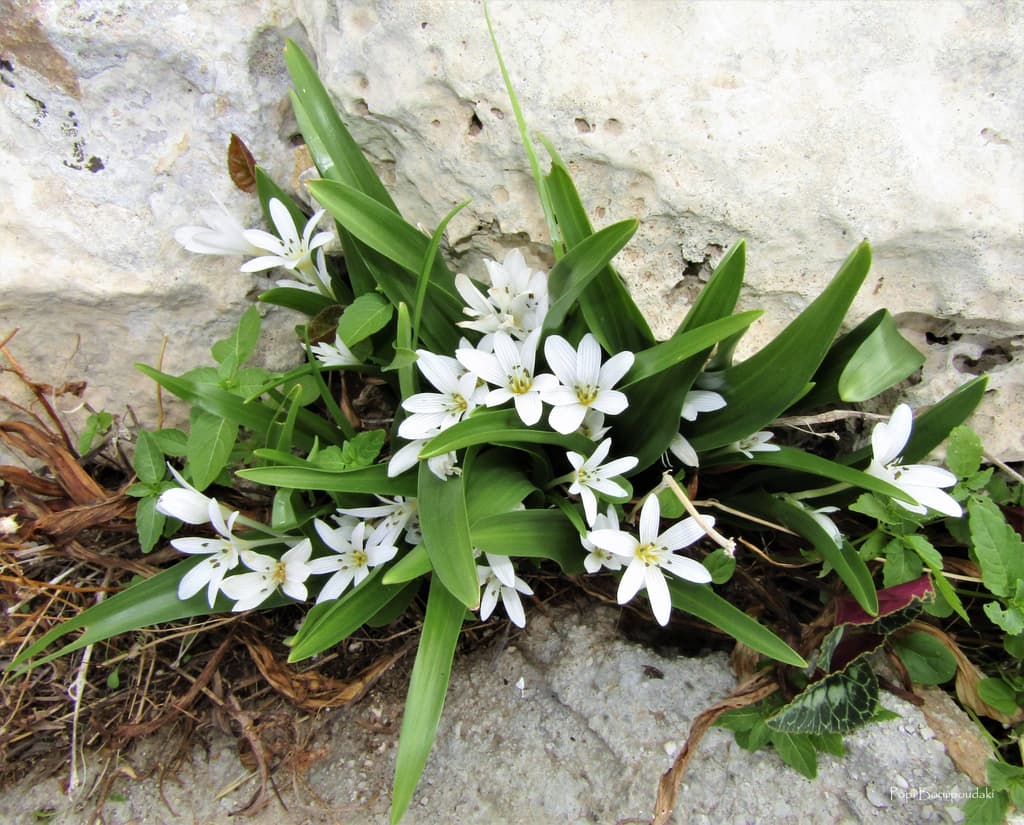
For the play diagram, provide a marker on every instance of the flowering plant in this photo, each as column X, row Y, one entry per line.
column 527, row 416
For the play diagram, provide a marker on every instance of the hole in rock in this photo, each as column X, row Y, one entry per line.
column 475, row 126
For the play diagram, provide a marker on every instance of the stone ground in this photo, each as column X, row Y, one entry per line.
column 584, row 740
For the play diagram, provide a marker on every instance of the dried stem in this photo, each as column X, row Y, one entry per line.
column 726, row 544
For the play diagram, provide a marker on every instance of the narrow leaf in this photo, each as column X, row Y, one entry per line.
column 367, row 480
column 445, row 526
column 499, row 427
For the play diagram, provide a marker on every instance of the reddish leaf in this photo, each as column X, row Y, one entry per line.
column 890, row 600
column 241, row 165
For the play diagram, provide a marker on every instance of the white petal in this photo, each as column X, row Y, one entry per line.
column 683, row 450
column 618, row 542
column 935, row 499
column 688, row 569
column 513, row 606
column 650, row 519
column 631, row 582
column 615, row 368
column 684, row 533
column 502, row 568
column 619, row 466
column 405, row 458
column 566, row 419
column 889, row 438
column 611, row 402
column 529, row 408
column 188, row 506
column 923, row 475
column 561, row 358
column 195, row 579
column 599, row 454
column 588, row 361
column 657, row 592
column 589, row 504
column 489, row 599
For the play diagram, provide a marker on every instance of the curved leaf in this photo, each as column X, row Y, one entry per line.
column 499, row 427
column 538, row 534
column 365, row 480
column 444, row 523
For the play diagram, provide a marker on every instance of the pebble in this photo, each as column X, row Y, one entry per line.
column 876, row 796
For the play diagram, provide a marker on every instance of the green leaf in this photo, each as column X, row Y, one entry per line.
column 267, row 190
column 170, row 441
column 927, row 660
column 964, row 452
column 719, row 564
column 607, row 307
column 344, row 160
column 538, row 534
column 844, row 560
column 704, row 603
column 581, row 264
column 998, row 694
column 301, row 300
column 254, row 416
column 330, row 622
column 797, row 751
column 760, row 388
column 411, row 566
column 427, row 687
column 367, row 314
column 995, row 545
column 149, row 523
column 838, row 703
column 96, row 424
column 210, row 441
column 683, row 345
column 500, row 427
column 148, row 461
column 900, row 565
column 362, row 449
column 986, row 808
column 444, row 523
column 366, row 480
column 499, row 484
column 719, row 296
column 933, row 425
column 423, row 277
column 236, row 349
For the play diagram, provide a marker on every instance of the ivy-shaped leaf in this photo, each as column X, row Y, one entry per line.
column 837, row 703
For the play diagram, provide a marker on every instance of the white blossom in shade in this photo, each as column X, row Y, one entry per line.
column 433, row 412
column 593, row 425
column 922, row 482
column 356, row 553
column 700, row 401
column 335, row 355
column 443, row 466
column 589, row 476
column 222, row 235
column 494, row 587
column 598, row 557
column 389, row 518
column 314, row 279
column 9, row 525
column 186, row 503
column 652, row 553
column 510, row 369
column 286, row 249
column 289, row 573
column 755, row 443
column 516, row 301
column 222, row 555
column 683, row 450
column 821, row 516
column 584, row 382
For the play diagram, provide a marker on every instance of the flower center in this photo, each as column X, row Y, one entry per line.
column 519, row 381
column 359, row 558
column 456, row 403
column 278, row 573
column 586, row 394
column 649, row 554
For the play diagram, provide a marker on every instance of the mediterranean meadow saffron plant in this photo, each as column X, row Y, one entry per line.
column 534, row 418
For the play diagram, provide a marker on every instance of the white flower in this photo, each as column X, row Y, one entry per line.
column 922, row 482
column 442, row 466
column 9, row 525
column 516, row 301
column 390, row 518
column 355, row 554
column 433, row 412
column 222, row 552
column 488, row 577
column 598, row 557
column 820, row 515
column 289, row 573
column 651, row 553
column 683, row 450
column 510, row 369
column 593, row 425
column 698, row 401
column 314, row 279
column 585, row 384
column 755, row 443
column 288, row 250
column 222, row 235
column 590, row 476
column 185, row 503
column 335, row 355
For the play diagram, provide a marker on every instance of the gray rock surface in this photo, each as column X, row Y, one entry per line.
column 801, row 127
column 584, row 739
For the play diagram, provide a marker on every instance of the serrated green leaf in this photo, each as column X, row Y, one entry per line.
column 149, row 523
column 797, row 751
column 170, row 441
column 926, row 658
column 837, row 703
column 704, row 603
column 427, row 687
column 444, row 523
column 986, row 809
column 235, row 350
column 362, row 449
column 964, row 451
column 995, row 545
column 901, row 565
column 760, row 388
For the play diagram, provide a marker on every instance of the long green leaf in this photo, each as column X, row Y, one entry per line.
column 328, row 623
column 427, row 687
column 499, row 484
column 610, row 312
column 538, row 534
column 444, row 523
column 499, row 427
column 719, row 296
column 428, row 265
column 848, row 565
column 683, row 345
column 301, row 300
column 581, row 264
column 760, row 388
column 365, row 480
column 704, row 603
column 321, row 119
column 411, row 566
column 143, row 604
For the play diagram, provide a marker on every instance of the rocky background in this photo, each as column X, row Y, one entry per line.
column 802, row 127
